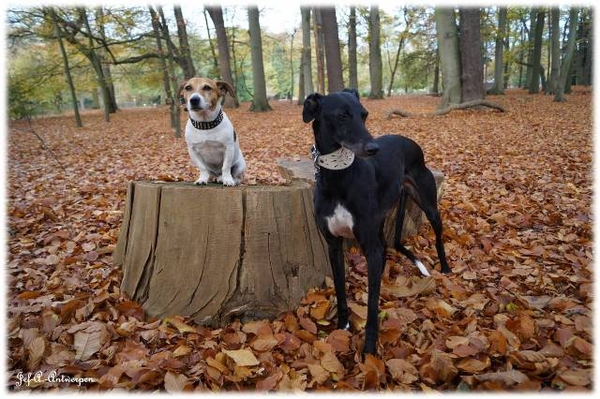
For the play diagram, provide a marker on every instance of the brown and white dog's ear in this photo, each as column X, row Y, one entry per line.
column 311, row 107
column 180, row 95
column 224, row 88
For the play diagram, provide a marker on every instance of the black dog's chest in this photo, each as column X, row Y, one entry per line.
column 340, row 222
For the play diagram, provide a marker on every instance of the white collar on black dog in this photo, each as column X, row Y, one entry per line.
column 337, row 160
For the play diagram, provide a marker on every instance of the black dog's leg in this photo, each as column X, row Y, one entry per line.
column 336, row 258
column 374, row 250
column 422, row 189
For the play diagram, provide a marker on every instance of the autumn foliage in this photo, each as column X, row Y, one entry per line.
column 515, row 314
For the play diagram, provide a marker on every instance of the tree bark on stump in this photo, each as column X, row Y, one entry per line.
column 215, row 253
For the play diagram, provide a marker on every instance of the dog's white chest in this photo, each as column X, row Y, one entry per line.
column 340, row 223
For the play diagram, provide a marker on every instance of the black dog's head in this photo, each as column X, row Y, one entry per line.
column 339, row 118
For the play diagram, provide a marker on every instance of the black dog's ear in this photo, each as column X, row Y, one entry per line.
column 311, row 106
column 353, row 91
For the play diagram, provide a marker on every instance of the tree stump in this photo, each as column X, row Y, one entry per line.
column 304, row 170
column 216, row 253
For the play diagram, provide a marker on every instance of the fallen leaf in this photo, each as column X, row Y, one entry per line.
column 242, row 357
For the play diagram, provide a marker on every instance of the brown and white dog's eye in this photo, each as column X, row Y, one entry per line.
column 188, row 88
column 207, row 88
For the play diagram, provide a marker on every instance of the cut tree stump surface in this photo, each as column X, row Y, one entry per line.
column 215, row 253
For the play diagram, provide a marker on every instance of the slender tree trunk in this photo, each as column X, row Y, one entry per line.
column 530, row 47
column 375, row 64
column 436, row 73
column 521, row 62
column 106, row 70
column 186, row 56
column 401, row 40
column 498, row 87
column 565, row 66
column 352, row 58
column 587, row 49
column 213, row 52
column 175, row 104
column 447, row 36
column 470, row 55
column 291, row 92
column 335, row 80
column 306, row 68
column 534, row 84
column 67, row 69
column 90, row 53
column 259, row 102
column 216, row 14
column 171, row 100
column 555, row 50
column 319, row 49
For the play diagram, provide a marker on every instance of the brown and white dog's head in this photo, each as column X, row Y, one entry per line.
column 202, row 94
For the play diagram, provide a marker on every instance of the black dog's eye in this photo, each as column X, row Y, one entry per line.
column 207, row 88
column 345, row 116
column 188, row 87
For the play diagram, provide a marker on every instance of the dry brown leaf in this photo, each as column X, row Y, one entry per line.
column 402, row 371
column 175, row 383
column 318, row 373
column 242, row 357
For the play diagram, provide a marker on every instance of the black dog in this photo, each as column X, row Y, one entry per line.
column 353, row 193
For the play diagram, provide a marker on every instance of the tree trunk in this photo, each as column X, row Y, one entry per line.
column 470, row 55
column 335, row 79
column 186, row 56
column 587, row 48
column 215, row 253
column 375, row 64
column 68, row 77
column 163, row 62
column 259, row 100
column 102, row 56
column 216, row 14
column 534, row 84
column 498, row 87
column 92, row 56
column 214, row 71
column 530, row 46
column 565, row 66
column 447, row 37
column 352, row 50
column 306, row 64
column 319, row 49
column 174, row 104
column 435, row 89
column 555, row 49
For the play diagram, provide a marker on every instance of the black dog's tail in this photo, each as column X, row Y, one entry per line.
column 398, row 243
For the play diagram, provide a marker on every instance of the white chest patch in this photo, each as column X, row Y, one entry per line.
column 340, row 223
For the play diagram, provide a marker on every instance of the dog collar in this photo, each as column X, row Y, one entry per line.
column 208, row 125
column 337, row 160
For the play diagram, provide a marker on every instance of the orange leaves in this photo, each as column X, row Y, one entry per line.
column 515, row 314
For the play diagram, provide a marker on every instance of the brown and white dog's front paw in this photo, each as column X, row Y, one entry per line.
column 202, row 180
column 227, row 181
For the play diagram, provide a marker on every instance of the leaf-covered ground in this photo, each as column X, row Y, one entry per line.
column 515, row 314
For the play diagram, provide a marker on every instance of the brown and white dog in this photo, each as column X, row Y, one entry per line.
column 212, row 143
